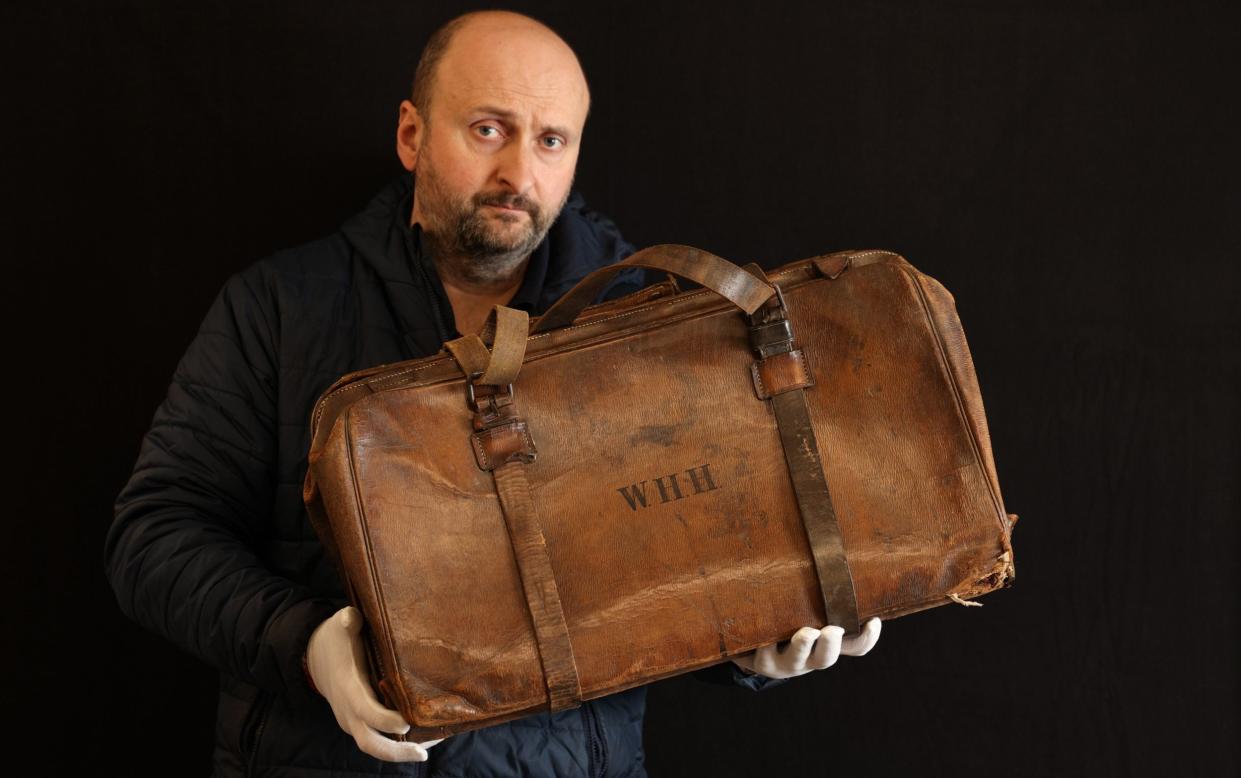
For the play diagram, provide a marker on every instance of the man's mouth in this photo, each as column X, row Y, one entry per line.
column 510, row 205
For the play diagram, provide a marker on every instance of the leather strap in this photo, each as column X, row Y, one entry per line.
column 742, row 289
column 539, row 582
column 502, row 444
column 501, row 364
column 818, row 515
column 471, row 354
column 771, row 335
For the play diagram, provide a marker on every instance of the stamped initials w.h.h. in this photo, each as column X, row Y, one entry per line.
column 669, row 488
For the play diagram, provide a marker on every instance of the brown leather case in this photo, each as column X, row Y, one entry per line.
column 644, row 501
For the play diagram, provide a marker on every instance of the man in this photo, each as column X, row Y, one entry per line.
column 211, row 546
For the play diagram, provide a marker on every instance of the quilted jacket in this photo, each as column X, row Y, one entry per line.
column 211, row 546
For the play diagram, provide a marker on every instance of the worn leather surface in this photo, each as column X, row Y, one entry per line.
column 781, row 373
column 661, row 489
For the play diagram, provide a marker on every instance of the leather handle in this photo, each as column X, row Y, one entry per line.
column 729, row 281
column 502, row 362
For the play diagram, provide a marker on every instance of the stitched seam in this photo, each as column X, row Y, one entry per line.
column 962, row 414
column 668, row 301
column 368, row 381
column 803, row 371
column 482, row 453
column 872, row 253
column 373, row 379
column 370, row 561
column 376, row 379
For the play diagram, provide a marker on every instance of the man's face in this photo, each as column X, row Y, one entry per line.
column 493, row 221
column 496, row 156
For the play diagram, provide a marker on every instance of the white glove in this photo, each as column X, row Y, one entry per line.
column 336, row 662
column 809, row 649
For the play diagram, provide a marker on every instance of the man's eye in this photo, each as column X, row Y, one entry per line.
column 487, row 131
column 553, row 142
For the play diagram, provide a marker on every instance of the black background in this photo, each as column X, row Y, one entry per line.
column 1068, row 170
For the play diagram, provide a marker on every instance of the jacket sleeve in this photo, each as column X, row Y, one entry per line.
column 727, row 673
column 182, row 553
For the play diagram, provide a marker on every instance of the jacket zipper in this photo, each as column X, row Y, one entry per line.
column 418, row 259
column 597, row 761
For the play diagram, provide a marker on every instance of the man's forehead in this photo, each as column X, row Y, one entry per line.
column 518, row 70
column 546, row 105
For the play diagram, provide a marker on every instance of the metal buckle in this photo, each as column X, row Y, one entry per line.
column 771, row 332
column 472, row 395
column 784, row 306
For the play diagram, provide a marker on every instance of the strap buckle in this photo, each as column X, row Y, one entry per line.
column 771, row 332
column 492, row 397
column 500, row 435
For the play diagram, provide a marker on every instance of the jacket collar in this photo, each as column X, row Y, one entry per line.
column 578, row 242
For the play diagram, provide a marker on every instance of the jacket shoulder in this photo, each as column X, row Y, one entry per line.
column 584, row 240
column 325, row 259
column 290, row 279
column 597, row 228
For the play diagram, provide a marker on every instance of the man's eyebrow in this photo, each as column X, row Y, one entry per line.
column 508, row 115
column 491, row 109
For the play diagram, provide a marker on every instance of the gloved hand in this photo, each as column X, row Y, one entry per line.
column 336, row 662
column 809, row 649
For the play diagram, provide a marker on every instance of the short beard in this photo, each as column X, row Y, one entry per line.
column 464, row 244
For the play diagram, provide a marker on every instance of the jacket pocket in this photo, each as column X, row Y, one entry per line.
column 252, row 732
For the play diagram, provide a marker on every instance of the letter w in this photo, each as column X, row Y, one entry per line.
column 638, row 495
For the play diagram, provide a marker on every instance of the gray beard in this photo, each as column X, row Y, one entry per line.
column 462, row 243
column 468, row 251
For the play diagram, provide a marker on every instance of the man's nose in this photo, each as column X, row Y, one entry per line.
column 516, row 169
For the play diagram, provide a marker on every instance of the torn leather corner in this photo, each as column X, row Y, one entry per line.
column 1000, row 575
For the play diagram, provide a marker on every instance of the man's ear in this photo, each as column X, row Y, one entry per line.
column 410, row 132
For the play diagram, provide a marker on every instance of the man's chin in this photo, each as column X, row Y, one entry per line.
column 496, row 245
column 510, row 237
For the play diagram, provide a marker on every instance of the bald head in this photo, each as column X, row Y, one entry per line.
column 491, row 33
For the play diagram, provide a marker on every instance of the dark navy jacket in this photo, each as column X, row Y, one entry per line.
column 211, row 546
